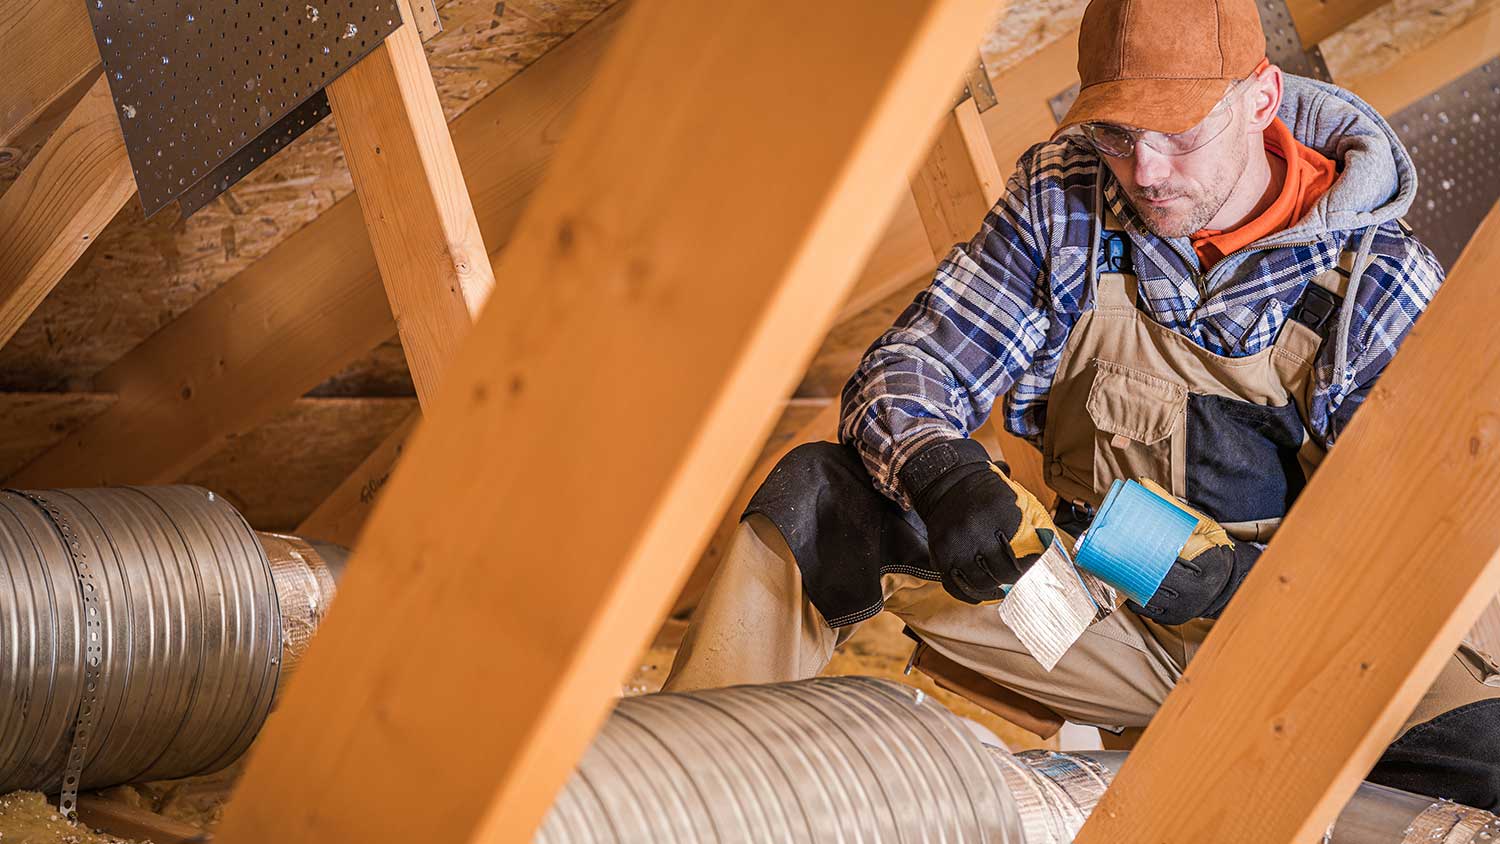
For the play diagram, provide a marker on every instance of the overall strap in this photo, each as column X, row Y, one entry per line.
column 1318, row 307
column 1110, row 246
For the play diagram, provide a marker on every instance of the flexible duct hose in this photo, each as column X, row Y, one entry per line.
column 141, row 633
column 855, row 759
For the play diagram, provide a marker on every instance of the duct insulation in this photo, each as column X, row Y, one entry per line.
column 143, row 633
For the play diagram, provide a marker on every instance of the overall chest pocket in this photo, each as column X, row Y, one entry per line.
column 1139, row 427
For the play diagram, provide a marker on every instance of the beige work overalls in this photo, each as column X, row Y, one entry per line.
column 1118, row 409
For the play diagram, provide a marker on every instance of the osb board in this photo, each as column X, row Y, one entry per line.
column 382, row 372
column 1377, row 40
column 140, row 275
column 277, row 473
column 31, row 423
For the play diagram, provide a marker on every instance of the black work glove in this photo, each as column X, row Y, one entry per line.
column 1208, row 570
column 983, row 529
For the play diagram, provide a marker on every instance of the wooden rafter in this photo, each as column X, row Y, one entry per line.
column 310, row 306
column 65, row 197
column 1388, row 557
column 49, row 49
column 377, row 737
column 1419, row 73
column 343, row 513
column 416, row 206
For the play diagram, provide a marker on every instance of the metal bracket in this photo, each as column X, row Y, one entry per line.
column 977, row 85
column 196, row 81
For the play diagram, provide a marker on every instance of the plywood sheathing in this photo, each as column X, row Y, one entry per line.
column 276, row 474
column 142, row 274
column 1392, row 31
column 31, row 423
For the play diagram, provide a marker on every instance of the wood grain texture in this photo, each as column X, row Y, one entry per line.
column 310, row 306
column 48, row 47
column 1318, row 19
column 142, row 274
column 1413, row 76
column 340, row 516
column 126, row 821
column 31, row 423
column 958, row 182
column 277, row 473
column 71, row 190
column 376, row 739
column 416, row 206
column 1350, row 613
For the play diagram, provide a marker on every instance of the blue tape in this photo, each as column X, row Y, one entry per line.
column 1134, row 540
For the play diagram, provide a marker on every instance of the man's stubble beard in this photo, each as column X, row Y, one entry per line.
column 1204, row 205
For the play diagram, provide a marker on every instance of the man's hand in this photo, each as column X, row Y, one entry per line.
column 983, row 529
column 1207, row 572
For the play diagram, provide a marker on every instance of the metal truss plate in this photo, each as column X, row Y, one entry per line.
column 427, row 20
column 1453, row 135
column 195, row 81
column 977, row 85
column 255, row 153
column 1284, row 45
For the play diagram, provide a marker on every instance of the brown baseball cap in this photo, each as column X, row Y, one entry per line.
column 1162, row 64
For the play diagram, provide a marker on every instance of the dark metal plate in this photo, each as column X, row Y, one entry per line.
column 255, row 153
column 1284, row 45
column 1453, row 135
column 195, row 81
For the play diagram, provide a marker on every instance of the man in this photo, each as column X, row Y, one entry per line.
column 1196, row 283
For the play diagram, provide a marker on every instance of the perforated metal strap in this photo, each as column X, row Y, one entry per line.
column 93, row 653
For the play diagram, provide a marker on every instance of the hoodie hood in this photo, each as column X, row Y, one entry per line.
column 1377, row 180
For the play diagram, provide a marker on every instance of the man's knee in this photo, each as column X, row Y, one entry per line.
column 1455, row 756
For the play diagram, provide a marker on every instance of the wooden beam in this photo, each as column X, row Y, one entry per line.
column 1351, row 612
column 126, row 821
column 377, row 737
column 1318, row 19
column 311, row 305
column 49, row 49
column 959, row 181
column 31, row 423
column 416, row 207
column 64, row 198
column 1417, row 74
column 342, row 514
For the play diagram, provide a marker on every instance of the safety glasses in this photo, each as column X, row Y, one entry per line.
column 1120, row 141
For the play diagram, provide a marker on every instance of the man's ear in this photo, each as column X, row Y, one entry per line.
column 1263, row 99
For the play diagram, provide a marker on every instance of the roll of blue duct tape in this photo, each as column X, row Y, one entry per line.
column 1134, row 540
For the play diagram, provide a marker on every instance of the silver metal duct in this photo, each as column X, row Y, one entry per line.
column 856, row 759
column 141, row 636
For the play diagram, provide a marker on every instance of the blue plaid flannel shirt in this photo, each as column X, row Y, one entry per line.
column 998, row 312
